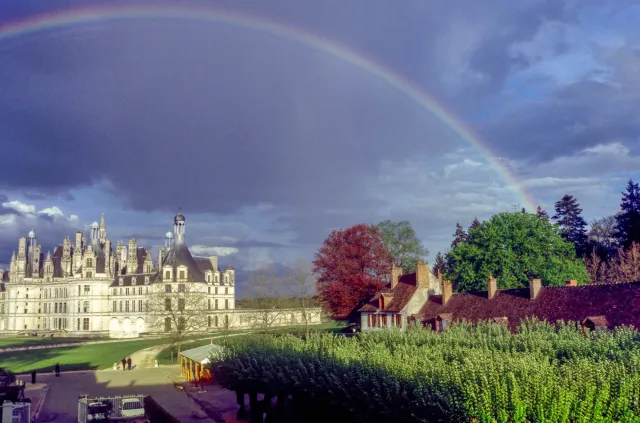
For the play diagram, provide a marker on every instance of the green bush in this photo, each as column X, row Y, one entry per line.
column 473, row 373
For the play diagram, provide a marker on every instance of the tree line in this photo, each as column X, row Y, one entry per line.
column 354, row 264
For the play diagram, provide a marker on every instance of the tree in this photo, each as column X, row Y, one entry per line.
column 572, row 225
column 402, row 244
column 597, row 268
column 603, row 237
column 352, row 266
column 541, row 213
column 459, row 236
column 179, row 312
column 474, row 224
column 267, row 291
column 440, row 264
column 628, row 221
column 626, row 267
column 303, row 282
column 514, row 247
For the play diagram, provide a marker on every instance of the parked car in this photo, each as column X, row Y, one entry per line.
column 131, row 407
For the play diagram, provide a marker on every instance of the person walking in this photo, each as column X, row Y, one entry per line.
column 57, row 369
column 129, row 363
column 124, row 364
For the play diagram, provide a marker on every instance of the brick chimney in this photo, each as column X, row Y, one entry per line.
column 492, row 287
column 571, row 283
column 422, row 275
column 447, row 291
column 396, row 272
column 535, row 285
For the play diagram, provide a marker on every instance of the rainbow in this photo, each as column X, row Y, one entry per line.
column 72, row 17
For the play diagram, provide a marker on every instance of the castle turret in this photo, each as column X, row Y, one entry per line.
column 21, row 259
column 13, row 268
column 37, row 252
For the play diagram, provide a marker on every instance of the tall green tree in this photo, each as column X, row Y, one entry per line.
column 628, row 220
column 459, row 236
column 572, row 225
column 402, row 244
column 514, row 247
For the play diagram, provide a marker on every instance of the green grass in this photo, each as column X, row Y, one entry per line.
column 169, row 354
column 82, row 357
column 32, row 341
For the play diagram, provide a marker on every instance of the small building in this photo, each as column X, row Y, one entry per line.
column 193, row 362
column 400, row 299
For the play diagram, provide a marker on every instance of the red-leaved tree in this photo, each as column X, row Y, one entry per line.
column 352, row 266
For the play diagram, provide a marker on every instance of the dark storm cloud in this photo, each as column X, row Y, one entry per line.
column 212, row 127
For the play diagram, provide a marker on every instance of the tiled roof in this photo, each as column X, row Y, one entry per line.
column 402, row 293
column 618, row 303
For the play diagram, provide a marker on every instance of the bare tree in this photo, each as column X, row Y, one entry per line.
column 628, row 264
column 179, row 310
column 266, row 291
column 303, row 283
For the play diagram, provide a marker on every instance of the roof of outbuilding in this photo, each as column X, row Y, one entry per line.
column 618, row 303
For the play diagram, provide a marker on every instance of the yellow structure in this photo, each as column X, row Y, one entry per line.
column 193, row 363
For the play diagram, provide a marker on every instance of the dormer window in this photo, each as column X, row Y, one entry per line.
column 182, row 274
column 146, row 280
column 121, row 281
column 147, row 268
column 89, row 275
column 89, row 262
column 168, row 274
column 596, row 323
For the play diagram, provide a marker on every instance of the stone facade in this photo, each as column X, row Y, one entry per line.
column 93, row 289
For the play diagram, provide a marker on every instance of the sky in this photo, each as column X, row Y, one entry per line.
column 267, row 143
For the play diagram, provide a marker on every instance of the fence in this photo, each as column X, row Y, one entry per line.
column 19, row 412
column 101, row 408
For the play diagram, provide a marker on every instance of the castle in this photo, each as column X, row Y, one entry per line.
column 91, row 289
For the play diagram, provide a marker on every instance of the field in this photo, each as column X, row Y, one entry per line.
column 480, row 374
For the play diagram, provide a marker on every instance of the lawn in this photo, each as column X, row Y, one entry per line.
column 169, row 353
column 81, row 357
column 32, row 341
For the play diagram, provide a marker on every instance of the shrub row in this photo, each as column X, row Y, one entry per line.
column 473, row 373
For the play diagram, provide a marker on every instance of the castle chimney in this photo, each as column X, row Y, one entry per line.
column 422, row 275
column 571, row 283
column 492, row 287
column 447, row 291
column 396, row 272
column 534, row 288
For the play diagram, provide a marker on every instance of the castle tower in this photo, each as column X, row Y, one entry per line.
column 66, row 257
column 89, row 263
column 179, row 224
column 21, row 259
column 13, row 268
column 102, row 232
column 48, row 266
column 107, row 257
column 132, row 257
column 37, row 252
column 148, row 262
column 77, row 252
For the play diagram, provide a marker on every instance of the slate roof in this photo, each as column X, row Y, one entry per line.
column 179, row 255
column 618, row 303
column 402, row 293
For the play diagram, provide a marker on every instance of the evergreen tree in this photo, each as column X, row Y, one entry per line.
column 440, row 264
column 459, row 236
column 541, row 213
column 628, row 221
column 474, row 224
column 572, row 225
